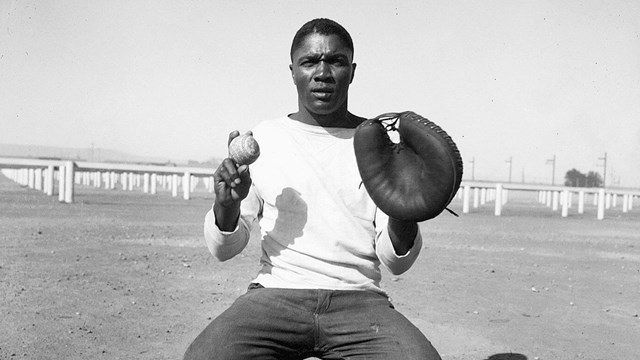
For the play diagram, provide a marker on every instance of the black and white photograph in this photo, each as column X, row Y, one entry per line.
column 323, row 179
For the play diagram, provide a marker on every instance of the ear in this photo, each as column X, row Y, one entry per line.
column 293, row 76
column 353, row 72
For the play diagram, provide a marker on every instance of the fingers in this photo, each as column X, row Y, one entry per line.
column 243, row 172
column 231, row 175
column 236, row 133
column 227, row 173
column 232, row 135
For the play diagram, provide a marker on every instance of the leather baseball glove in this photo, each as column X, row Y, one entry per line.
column 414, row 179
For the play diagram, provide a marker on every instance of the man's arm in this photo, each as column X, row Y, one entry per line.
column 398, row 243
column 224, row 245
column 231, row 185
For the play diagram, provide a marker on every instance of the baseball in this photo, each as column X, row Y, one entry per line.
column 244, row 149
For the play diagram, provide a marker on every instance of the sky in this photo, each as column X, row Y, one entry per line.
column 515, row 83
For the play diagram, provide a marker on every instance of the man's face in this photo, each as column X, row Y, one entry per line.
column 322, row 70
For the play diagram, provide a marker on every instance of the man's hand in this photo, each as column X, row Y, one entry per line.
column 231, row 186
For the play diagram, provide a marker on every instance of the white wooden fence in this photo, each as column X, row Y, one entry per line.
column 555, row 197
column 44, row 174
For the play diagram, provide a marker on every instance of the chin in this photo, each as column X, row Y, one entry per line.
column 325, row 109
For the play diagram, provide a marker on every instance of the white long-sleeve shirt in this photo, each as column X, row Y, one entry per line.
column 319, row 227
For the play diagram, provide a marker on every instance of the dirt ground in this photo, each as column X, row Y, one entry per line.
column 126, row 275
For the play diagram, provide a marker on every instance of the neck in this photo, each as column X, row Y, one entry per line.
column 338, row 119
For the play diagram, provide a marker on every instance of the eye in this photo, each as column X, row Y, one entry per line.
column 339, row 61
column 308, row 62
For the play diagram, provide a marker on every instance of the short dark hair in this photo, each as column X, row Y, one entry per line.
column 324, row 27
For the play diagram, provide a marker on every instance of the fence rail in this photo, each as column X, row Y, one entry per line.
column 42, row 174
column 555, row 197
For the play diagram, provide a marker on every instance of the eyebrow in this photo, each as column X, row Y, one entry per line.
column 317, row 56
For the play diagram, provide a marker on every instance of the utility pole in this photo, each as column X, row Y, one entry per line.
column 473, row 168
column 553, row 169
column 604, row 165
column 510, row 162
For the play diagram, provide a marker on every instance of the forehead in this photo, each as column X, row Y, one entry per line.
column 318, row 44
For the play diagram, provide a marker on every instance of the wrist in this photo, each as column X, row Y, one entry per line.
column 230, row 206
column 403, row 226
column 226, row 216
column 403, row 234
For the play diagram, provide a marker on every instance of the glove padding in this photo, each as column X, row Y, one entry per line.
column 415, row 179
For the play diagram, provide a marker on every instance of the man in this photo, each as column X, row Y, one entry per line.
column 323, row 239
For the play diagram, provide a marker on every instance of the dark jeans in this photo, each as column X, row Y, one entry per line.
column 296, row 324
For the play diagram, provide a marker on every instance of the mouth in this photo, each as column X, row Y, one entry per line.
column 322, row 93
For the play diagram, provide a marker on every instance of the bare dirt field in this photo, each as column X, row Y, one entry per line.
column 126, row 275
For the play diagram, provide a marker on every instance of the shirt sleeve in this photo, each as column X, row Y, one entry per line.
column 224, row 245
column 396, row 264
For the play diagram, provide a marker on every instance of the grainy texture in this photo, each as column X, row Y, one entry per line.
column 126, row 275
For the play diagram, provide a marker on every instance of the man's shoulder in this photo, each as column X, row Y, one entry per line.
column 270, row 123
column 268, row 127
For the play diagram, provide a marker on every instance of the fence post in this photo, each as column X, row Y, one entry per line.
column 154, row 183
column 114, row 180
column 211, row 184
column 48, row 180
column 30, row 178
column 174, row 185
column 132, row 179
column 25, row 177
column 69, row 181
column 565, row 203
column 498, row 208
column 476, row 197
column 581, row 202
column 465, row 199
column 145, row 183
column 601, row 204
column 123, row 180
column 186, row 185
column 61, row 182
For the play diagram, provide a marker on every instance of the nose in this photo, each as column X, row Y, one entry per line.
column 323, row 72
